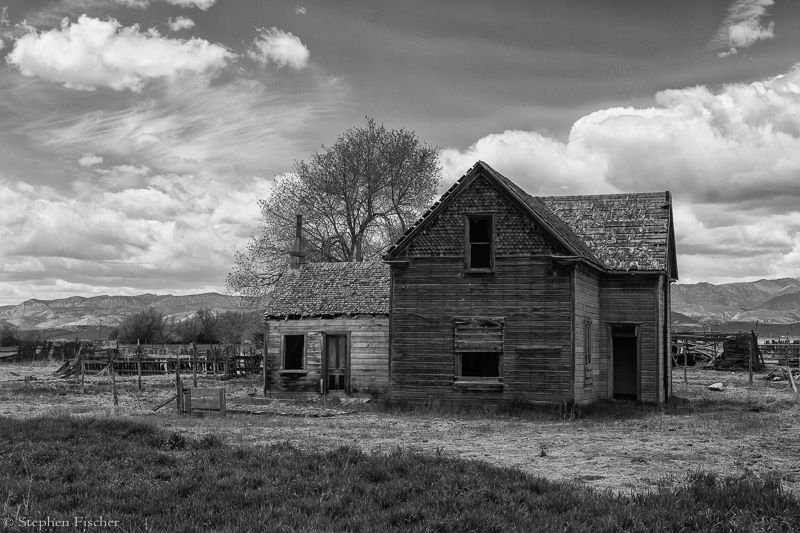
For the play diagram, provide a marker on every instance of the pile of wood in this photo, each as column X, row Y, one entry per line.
column 740, row 351
column 721, row 351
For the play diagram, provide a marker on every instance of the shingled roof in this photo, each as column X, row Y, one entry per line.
column 615, row 232
column 625, row 231
column 331, row 289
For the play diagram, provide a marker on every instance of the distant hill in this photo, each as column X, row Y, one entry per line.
column 765, row 301
column 78, row 313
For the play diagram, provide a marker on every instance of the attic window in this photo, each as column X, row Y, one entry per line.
column 480, row 243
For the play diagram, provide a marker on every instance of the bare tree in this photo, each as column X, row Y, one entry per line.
column 144, row 326
column 234, row 327
column 356, row 197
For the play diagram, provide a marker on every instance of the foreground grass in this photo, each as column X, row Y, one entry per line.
column 148, row 479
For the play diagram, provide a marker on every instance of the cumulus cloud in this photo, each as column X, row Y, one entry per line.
column 180, row 23
column 300, row 10
column 281, row 48
column 731, row 157
column 169, row 232
column 92, row 53
column 90, row 160
column 743, row 26
column 201, row 4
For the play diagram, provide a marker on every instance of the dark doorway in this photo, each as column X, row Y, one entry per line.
column 336, row 363
column 625, row 343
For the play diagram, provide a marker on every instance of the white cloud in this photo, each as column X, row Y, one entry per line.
column 200, row 4
column 743, row 27
column 93, row 53
column 731, row 158
column 170, row 232
column 281, row 48
column 140, row 4
column 198, row 126
column 89, row 160
column 180, row 23
column 300, row 10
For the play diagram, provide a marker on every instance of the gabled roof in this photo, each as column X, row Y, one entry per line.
column 616, row 232
column 331, row 289
column 529, row 205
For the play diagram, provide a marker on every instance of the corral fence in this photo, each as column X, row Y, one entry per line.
column 39, row 351
column 217, row 360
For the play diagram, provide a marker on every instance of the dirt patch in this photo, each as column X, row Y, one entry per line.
column 744, row 429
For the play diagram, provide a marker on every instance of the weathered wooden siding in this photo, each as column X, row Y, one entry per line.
column 633, row 299
column 534, row 299
column 369, row 354
column 588, row 384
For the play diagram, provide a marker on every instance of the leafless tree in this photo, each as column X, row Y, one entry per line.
column 356, row 197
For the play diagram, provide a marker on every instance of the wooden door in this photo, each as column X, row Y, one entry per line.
column 336, row 364
column 625, row 358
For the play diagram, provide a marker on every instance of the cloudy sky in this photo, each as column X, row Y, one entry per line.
column 137, row 135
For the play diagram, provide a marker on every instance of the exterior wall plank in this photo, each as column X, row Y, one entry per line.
column 369, row 354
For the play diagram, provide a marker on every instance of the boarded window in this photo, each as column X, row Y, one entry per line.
column 479, row 334
column 479, row 347
column 480, row 248
column 293, row 349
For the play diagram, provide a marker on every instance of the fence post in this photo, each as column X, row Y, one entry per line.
column 215, row 365
column 139, row 365
column 114, row 384
column 194, row 364
column 179, row 386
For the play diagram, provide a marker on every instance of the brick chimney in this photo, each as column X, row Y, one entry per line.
column 298, row 251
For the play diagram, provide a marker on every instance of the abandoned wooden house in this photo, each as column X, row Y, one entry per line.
column 498, row 295
column 327, row 330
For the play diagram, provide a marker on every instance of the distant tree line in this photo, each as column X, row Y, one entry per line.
column 11, row 335
column 205, row 326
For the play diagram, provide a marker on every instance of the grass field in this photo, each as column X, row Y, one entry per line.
column 708, row 461
column 143, row 478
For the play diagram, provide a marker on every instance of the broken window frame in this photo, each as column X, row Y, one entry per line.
column 489, row 344
column 469, row 243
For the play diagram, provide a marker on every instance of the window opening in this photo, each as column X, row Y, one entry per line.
column 293, row 348
column 479, row 243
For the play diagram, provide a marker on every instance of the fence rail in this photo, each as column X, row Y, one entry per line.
column 231, row 365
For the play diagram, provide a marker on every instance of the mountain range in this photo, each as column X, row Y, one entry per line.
column 77, row 312
column 768, row 301
column 697, row 305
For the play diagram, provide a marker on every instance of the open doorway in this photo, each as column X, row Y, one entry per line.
column 625, row 361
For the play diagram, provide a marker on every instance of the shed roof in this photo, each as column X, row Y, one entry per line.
column 615, row 232
column 331, row 289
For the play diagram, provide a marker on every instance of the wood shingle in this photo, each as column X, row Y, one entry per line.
column 331, row 289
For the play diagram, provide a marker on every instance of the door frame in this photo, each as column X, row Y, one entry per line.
column 348, row 364
column 638, row 336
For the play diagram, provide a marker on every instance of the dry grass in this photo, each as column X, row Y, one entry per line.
column 745, row 430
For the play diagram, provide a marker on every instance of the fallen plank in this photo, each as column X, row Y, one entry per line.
column 172, row 399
